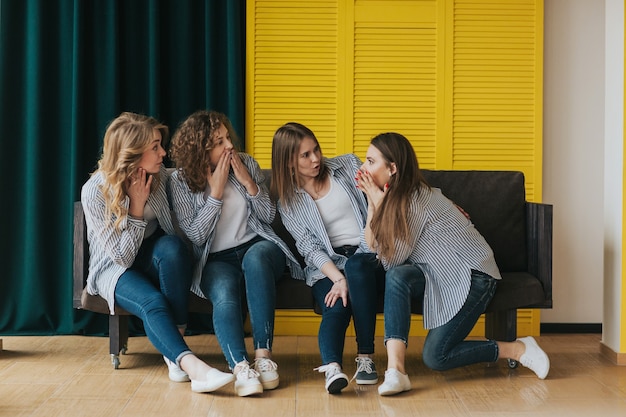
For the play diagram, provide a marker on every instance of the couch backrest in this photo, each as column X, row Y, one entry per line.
column 496, row 203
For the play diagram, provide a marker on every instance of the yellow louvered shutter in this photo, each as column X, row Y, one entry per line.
column 398, row 52
column 497, row 87
column 462, row 79
column 292, row 55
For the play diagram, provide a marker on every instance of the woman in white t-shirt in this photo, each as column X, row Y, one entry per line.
column 225, row 211
column 324, row 211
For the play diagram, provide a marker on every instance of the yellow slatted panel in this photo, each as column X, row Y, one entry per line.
column 497, row 74
column 397, row 51
column 292, row 71
column 306, row 322
column 462, row 79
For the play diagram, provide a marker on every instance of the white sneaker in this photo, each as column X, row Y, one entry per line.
column 268, row 372
column 214, row 379
column 247, row 380
column 335, row 379
column 175, row 373
column 395, row 383
column 534, row 358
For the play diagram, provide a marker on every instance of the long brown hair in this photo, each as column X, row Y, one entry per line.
column 390, row 222
column 285, row 173
column 192, row 144
column 127, row 137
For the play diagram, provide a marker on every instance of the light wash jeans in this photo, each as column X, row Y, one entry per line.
column 246, row 272
column 445, row 347
column 156, row 289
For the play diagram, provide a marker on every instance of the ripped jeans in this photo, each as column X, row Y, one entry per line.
column 232, row 276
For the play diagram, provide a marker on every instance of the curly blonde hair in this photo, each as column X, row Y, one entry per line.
column 192, row 144
column 127, row 137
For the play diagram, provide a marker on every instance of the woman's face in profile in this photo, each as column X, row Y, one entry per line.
column 377, row 166
column 152, row 158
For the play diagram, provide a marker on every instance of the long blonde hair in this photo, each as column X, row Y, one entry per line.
column 192, row 144
column 127, row 137
column 390, row 221
column 285, row 149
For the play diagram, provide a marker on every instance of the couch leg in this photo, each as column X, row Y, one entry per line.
column 501, row 325
column 118, row 337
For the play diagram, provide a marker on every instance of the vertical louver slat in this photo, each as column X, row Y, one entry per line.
column 396, row 84
column 294, row 71
column 494, row 87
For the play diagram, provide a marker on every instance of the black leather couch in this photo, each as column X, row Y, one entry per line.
column 519, row 232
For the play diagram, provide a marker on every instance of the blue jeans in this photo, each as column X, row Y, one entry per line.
column 246, row 272
column 331, row 335
column 156, row 289
column 445, row 347
column 366, row 280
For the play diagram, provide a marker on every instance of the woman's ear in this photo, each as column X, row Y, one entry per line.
column 392, row 168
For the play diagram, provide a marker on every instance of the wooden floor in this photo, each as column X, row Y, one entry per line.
column 73, row 376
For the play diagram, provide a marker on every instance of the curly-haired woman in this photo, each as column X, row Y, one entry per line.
column 224, row 209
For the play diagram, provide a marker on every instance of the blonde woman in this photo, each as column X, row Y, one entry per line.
column 135, row 259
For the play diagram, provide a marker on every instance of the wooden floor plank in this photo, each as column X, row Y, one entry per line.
column 73, row 376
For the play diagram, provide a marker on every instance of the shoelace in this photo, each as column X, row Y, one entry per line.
column 246, row 372
column 364, row 364
column 265, row 365
column 329, row 369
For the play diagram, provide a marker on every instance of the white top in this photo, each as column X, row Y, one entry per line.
column 149, row 216
column 338, row 216
column 232, row 228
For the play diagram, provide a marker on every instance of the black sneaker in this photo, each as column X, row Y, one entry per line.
column 365, row 371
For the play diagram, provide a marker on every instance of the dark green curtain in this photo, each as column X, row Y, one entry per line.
column 66, row 69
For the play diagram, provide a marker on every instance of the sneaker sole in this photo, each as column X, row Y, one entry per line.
column 215, row 384
column 394, row 392
column 179, row 378
column 367, row 381
column 337, row 385
column 269, row 385
column 250, row 390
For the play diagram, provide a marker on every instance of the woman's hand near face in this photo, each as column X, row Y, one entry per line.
column 243, row 175
column 138, row 189
column 365, row 183
column 217, row 179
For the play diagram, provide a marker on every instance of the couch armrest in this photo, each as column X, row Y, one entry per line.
column 81, row 254
column 539, row 246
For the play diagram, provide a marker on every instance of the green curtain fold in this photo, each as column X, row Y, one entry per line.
column 66, row 69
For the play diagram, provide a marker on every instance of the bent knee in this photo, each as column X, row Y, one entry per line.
column 435, row 362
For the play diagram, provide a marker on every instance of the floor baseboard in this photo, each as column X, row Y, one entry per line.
column 571, row 328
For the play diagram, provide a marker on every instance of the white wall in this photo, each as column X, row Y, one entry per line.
column 613, row 176
column 573, row 170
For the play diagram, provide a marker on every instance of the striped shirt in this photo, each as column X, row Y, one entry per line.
column 303, row 220
column 112, row 251
column 446, row 246
column 198, row 214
